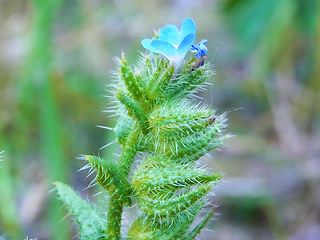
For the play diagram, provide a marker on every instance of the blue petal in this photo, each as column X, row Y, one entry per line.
column 169, row 33
column 188, row 26
column 194, row 47
column 146, row 43
column 200, row 48
column 186, row 44
column 203, row 41
column 164, row 47
column 203, row 50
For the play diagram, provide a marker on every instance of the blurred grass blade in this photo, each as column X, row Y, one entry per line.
column 37, row 91
column 8, row 213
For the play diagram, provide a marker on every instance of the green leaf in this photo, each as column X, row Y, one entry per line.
column 111, row 178
column 90, row 220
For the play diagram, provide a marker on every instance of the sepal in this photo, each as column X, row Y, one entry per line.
column 175, row 205
column 131, row 82
column 134, row 110
column 123, row 129
column 157, row 177
column 146, row 228
column 174, row 121
column 157, row 181
column 185, row 133
column 187, row 82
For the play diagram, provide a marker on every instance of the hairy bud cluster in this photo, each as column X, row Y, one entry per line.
column 159, row 118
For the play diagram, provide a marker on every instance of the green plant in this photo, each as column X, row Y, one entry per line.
column 160, row 124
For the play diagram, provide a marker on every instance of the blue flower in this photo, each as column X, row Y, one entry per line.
column 171, row 42
column 200, row 48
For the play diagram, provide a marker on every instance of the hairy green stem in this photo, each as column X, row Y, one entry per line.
column 129, row 151
column 115, row 204
column 114, row 218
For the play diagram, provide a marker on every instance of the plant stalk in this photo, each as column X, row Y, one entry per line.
column 116, row 205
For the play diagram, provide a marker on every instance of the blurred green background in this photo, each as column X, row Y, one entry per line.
column 56, row 58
